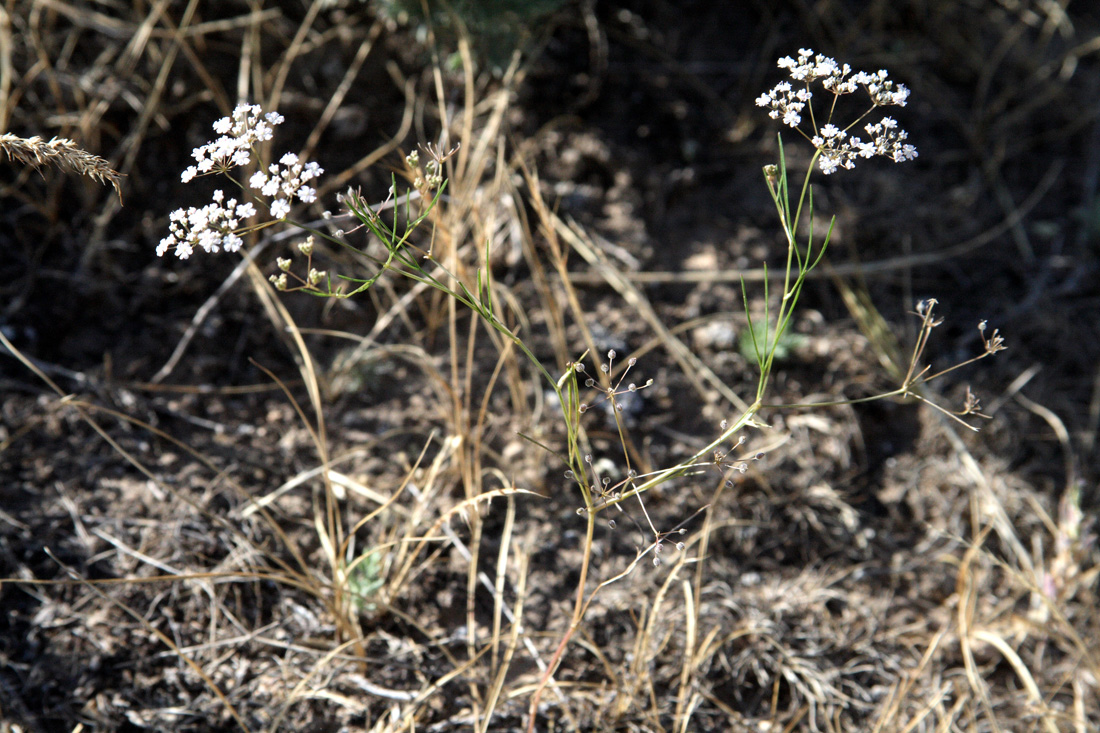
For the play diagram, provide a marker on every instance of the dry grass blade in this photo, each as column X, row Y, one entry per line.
column 62, row 153
column 1022, row 673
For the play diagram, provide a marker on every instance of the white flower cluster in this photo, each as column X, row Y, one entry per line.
column 215, row 227
column 838, row 150
column 238, row 134
column 288, row 181
column 212, row 227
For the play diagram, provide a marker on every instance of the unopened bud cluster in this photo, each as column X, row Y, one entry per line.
column 613, row 391
column 431, row 176
column 313, row 278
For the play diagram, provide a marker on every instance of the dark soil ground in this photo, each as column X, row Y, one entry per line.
column 881, row 567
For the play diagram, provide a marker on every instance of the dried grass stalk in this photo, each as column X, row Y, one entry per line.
column 63, row 153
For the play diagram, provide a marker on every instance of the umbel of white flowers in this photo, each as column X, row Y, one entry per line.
column 217, row 225
column 786, row 102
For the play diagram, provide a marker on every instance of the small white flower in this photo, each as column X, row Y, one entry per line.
column 828, row 163
column 280, row 208
column 904, row 153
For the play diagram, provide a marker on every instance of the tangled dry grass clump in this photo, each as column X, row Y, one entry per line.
column 596, row 445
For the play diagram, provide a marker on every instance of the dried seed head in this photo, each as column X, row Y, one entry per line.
column 995, row 342
column 63, row 153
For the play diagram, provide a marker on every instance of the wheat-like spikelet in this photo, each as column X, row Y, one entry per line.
column 63, row 153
